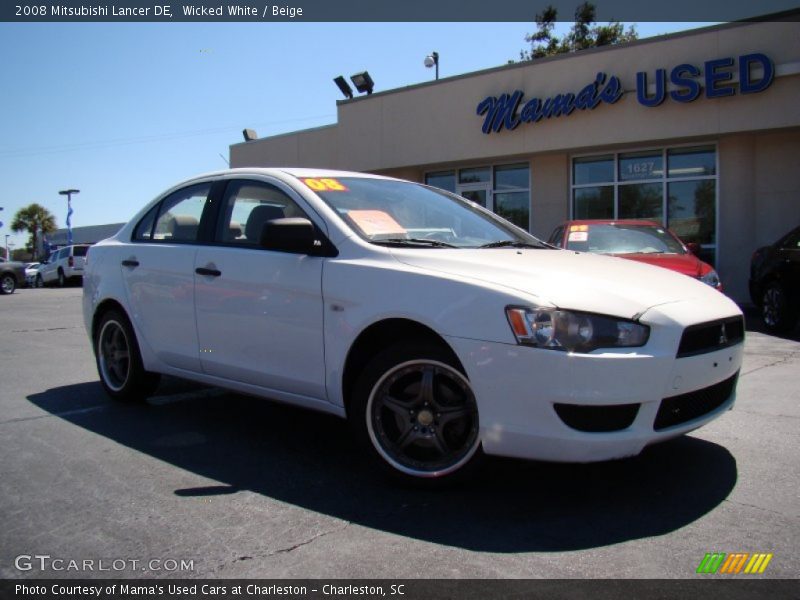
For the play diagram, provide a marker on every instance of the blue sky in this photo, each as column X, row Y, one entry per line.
column 123, row 111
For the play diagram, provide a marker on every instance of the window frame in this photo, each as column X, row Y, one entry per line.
column 664, row 180
column 488, row 186
column 207, row 217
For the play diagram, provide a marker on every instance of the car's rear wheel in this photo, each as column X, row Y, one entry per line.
column 7, row 284
column 119, row 362
column 62, row 281
column 776, row 309
column 416, row 413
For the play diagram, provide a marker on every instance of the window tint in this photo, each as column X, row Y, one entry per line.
column 248, row 205
column 593, row 169
column 793, row 241
column 691, row 162
column 144, row 230
column 180, row 213
column 445, row 180
column 555, row 237
column 79, row 250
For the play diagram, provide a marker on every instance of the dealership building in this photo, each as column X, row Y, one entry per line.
column 698, row 130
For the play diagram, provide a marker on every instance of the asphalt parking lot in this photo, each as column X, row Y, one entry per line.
column 240, row 487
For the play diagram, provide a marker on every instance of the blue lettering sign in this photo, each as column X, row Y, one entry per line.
column 641, row 88
column 713, row 76
column 501, row 112
column 746, row 84
column 681, row 76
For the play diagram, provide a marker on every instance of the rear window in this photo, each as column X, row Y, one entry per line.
column 80, row 250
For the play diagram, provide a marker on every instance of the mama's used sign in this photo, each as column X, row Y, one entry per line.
column 688, row 81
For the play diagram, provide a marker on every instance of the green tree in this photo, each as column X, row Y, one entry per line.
column 34, row 219
column 582, row 35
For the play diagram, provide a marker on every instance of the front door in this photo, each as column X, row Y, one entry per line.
column 259, row 312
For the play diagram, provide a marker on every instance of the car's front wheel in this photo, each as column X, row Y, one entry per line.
column 416, row 413
column 777, row 311
column 39, row 281
column 7, row 284
column 119, row 362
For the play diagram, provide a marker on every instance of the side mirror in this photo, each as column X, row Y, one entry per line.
column 693, row 248
column 295, row 235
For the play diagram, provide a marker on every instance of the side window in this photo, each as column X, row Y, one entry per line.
column 247, row 206
column 555, row 238
column 793, row 242
column 179, row 214
column 144, row 230
column 62, row 254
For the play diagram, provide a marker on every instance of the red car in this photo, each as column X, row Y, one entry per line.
column 642, row 241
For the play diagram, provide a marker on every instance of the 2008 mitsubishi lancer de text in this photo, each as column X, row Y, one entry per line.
column 437, row 328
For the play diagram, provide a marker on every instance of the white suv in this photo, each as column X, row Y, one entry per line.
column 63, row 265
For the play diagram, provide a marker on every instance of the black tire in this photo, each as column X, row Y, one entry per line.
column 777, row 311
column 119, row 362
column 424, row 434
column 8, row 283
column 39, row 281
column 62, row 281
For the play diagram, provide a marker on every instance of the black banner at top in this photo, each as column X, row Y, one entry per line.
column 265, row 11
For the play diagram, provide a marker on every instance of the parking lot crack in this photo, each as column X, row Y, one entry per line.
column 781, row 361
column 310, row 540
column 746, row 505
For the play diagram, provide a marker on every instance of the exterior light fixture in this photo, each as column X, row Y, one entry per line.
column 344, row 87
column 432, row 60
column 363, row 82
column 249, row 135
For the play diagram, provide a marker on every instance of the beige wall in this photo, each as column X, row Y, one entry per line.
column 759, row 200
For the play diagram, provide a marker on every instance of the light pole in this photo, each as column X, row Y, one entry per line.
column 8, row 256
column 68, row 194
column 432, row 60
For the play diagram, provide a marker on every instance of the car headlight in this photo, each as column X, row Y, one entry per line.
column 571, row 331
column 711, row 278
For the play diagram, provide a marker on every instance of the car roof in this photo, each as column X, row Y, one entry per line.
column 298, row 172
column 639, row 222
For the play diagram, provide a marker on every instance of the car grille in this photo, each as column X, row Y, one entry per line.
column 596, row 419
column 686, row 407
column 712, row 336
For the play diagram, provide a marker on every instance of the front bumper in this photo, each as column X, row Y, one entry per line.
column 518, row 388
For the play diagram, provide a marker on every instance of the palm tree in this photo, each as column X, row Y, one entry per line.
column 34, row 218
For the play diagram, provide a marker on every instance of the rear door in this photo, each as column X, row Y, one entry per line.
column 259, row 312
column 158, row 271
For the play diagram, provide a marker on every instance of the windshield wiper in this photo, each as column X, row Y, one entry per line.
column 511, row 244
column 413, row 242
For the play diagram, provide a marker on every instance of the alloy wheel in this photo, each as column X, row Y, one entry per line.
column 422, row 418
column 114, row 354
column 8, row 284
column 772, row 306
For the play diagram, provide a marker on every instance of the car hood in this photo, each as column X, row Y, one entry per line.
column 687, row 264
column 567, row 279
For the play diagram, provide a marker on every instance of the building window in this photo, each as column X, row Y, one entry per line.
column 445, row 180
column 636, row 185
column 504, row 189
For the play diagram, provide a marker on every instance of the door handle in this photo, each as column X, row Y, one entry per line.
column 130, row 263
column 208, row 272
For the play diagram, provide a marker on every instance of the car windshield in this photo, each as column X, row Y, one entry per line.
column 617, row 238
column 400, row 213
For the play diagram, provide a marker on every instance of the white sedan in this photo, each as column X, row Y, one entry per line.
column 438, row 329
